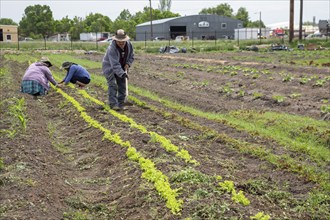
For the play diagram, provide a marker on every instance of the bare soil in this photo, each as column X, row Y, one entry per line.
column 61, row 168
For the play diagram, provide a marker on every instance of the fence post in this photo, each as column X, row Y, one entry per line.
column 45, row 42
column 145, row 40
column 97, row 46
column 238, row 38
column 215, row 38
column 17, row 38
column 192, row 39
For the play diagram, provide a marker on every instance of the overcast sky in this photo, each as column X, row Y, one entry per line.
column 272, row 11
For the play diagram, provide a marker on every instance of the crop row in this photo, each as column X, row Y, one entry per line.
column 150, row 173
column 283, row 161
column 230, row 89
column 226, row 186
column 15, row 109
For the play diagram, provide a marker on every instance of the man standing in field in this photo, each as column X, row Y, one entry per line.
column 116, row 62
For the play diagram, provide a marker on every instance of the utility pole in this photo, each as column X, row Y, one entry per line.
column 260, row 27
column 291, row 29
column 301, row 20
column 151, row 34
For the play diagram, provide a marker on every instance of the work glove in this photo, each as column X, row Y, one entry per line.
column 125, row 75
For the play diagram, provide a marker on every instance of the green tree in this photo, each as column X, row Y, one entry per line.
column 127, row 25
column 255, row 24
column 63, row 25
column 164, row 5
column 37, row 21
column 144, row 16
column 124, row 15
column 7, row 21
column 78, row 26
column 243, row 15
column 97, row 23
column 222, row 9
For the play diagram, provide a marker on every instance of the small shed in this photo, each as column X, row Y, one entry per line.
column 8, row 33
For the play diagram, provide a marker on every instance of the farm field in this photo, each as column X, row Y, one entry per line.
column 233, row 135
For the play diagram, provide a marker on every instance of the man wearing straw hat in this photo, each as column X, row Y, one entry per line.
column 116, row 62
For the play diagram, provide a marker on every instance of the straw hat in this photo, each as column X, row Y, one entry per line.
column 46, row 61
column 120, row 36
column 66, row 65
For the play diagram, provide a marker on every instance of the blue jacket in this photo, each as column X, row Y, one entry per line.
column 111, row 64
column 76, row 70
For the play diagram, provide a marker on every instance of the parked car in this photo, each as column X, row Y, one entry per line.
column 28, row 39
column 109, row 40
column 315, row 36
column 159, row 38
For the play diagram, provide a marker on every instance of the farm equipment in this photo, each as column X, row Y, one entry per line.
column 169, row 49
column 279, row 47
column 252, row 48
column 126, row 82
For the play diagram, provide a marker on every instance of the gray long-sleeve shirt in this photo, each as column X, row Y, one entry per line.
column 111, row 64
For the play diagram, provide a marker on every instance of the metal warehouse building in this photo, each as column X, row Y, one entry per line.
column 199, row 27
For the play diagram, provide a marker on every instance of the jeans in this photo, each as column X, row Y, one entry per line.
column 116, row 90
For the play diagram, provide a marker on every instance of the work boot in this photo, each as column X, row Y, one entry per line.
column 123, row 108
column 116, row 108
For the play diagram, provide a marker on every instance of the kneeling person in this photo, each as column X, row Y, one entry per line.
column 37, row 77
column 76, row 74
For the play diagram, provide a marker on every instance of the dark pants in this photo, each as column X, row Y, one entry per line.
column 116, row 90
column 84, row 80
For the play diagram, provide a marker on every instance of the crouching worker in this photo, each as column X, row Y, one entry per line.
column 36, row 78
column 76, row 74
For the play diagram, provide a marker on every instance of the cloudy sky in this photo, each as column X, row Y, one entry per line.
column 272, row 11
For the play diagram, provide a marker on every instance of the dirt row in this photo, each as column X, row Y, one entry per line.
column 60, row 167
column 205, row 89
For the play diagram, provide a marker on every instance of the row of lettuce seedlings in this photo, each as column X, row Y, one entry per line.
column 280, row 161
column 150, row 171
column 290, row 164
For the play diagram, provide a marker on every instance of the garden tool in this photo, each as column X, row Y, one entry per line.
column 126, row 82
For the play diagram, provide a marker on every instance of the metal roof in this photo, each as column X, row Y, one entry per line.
column 156, row 21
